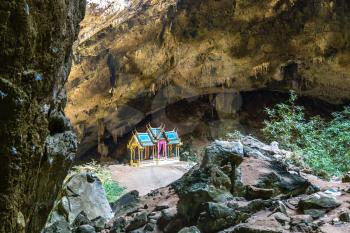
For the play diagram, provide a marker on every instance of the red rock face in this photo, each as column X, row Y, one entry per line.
column 37, row 144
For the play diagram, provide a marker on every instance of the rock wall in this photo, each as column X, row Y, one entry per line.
column 167, row 50
column 37, row 144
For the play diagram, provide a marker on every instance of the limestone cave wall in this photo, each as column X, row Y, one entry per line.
column 37, row 145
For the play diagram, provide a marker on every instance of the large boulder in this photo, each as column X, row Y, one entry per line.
column 247, row 168
column 318, row 200
column 265, row 173
column 223, row 152
column 83, row 201
column 126, row 203
column 201, row 185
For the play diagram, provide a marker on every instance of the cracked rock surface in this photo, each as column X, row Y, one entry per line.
column 37, row 142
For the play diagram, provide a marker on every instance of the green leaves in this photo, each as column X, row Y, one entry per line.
column 325, row 146
column 113, row 190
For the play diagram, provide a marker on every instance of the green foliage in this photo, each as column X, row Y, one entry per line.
column 113, row 190
column 324, row 145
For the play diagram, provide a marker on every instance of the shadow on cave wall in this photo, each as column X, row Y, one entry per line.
column 199, row 120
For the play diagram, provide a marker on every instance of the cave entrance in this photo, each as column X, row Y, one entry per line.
column 201, row 119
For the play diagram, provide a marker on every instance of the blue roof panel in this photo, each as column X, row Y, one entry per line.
column 157, row 132
column 173, row 137
column 145, row 139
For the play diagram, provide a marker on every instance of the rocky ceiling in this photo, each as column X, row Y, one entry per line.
column 160, row 51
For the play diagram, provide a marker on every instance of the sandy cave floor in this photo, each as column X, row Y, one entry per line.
column 149, row 176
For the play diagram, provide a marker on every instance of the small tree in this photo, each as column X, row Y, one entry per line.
column 324, row 146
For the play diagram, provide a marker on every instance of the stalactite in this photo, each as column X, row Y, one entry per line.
column 152, row 88
column 261, row 69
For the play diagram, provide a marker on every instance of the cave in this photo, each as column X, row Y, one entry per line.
column 204, row 118
column 78, row 78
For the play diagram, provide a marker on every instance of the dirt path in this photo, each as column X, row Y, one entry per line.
column 149, row 176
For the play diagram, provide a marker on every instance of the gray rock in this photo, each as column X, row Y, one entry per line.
column 347, row 190
column 161, row 207
column 216, row 216
column 344, row 217
column 250, row 152
column 174, row 225
column 224, row 174
column 220, row 152
column 85, row 193
column 153, row 221
column 192, row 229
column 272, row 174
column 256, row 225
column 281, row 218
column 34, row 173
column 59, row 226
column 82, row 193
column 253, row 192
column 318, row 200
column 298, row 219
column 81, row 219
column 155, row 216
column 61, row 145
column 139, row 220
column 282, row 207
column 99, row 223
column 315, row 213
column 137, row 231
column 85, row 229
column 274, row 145
column 199, row 186
column 267, row 168
column 149, row 227
column 167, row 215
column 119, row 225
column 259, row 204
column 126, row 203
column 312, row 189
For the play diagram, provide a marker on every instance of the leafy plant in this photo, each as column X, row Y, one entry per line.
column 324, row 145
column 113, row 190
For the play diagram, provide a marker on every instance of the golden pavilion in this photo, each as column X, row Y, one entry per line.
column 154, row 144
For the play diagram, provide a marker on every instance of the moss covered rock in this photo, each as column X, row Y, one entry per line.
column 35, row 47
